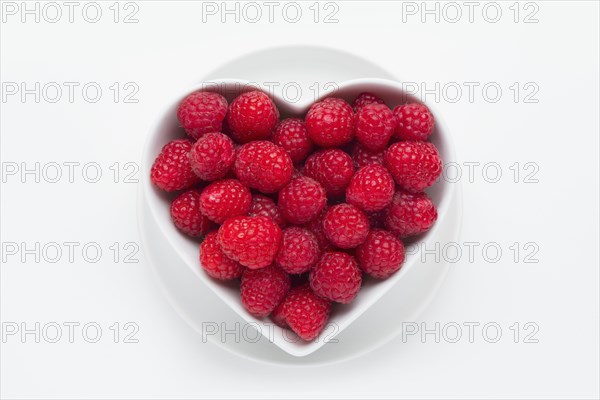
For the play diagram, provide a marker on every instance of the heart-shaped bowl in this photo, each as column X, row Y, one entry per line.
column 177, row 249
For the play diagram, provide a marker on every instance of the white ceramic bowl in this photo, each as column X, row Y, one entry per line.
column 178, row 250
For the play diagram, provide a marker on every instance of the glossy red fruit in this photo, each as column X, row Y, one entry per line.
column 216, row 264
column 291, row 135
column 186, row 214
column 413, row 122
column 172, row 170
column 299, row 250
column 371, row 188
column 263, row 166
column 414, row 165
column 381, row 254
column 303, row 312
column 212, row 156
column 330, row 123
column 201, row 113
column 263, row 289
column 225, row 199
column 301, row 200
column 332, row 168
column 252, row 116
column 374, row 126
column 336, row 277
column 345, row 226
column 253, row 241
column 410, row 214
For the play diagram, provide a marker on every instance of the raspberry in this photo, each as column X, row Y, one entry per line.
column 374, row 125
column 345, row 226
column 364, row 99
column 252, row 116
column 410, row 214
column 291, row 134
column 202, row 112
column 304, row 312
column 371, row 188
column 263, row 289
column 336, row 277
column 381, row 254
column 414, row 165
column 330, row 123
column 212, row 156
column 264, row 206
column 225, row 199
column 253, row 241
column 216, row 264
column 413, row 122
column 332, row 168
column 301, row 200
column 263, row 166
column 171, row 170
column 316, row 227
column 299, row 250
column 362, row 156
column 185, row 212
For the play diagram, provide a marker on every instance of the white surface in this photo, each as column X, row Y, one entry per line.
column 169, row 49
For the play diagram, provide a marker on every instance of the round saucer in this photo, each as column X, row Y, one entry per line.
column 286, row 72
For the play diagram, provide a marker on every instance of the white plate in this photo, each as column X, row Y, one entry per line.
column 298, row 75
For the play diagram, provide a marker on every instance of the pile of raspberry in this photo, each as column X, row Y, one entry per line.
column 299, row 210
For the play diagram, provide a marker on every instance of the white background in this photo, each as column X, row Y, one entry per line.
column 171, row 47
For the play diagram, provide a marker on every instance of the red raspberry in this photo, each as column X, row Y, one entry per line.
column 171, row 170
column 374, row 125
column 345, row 226
column 291, row 134
column 253, row 241
column 410, row 214
column 212, row 156
column 216, row 264
column 202, row 112
column 336, row 277
column 299, row 250
column 225, row 199
column 413, row 122
column 414, row 165
column 332, row 168
column 362, row 156
column 263, row 166
column 301, row 200
column 185, row 212
column 316, row 227
column 263, row 289
column 304, row 312
column 252, row 116
column 264, row 206
column 371, row 188
column 330, row 123
column 365, row 98
column 381, row 254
